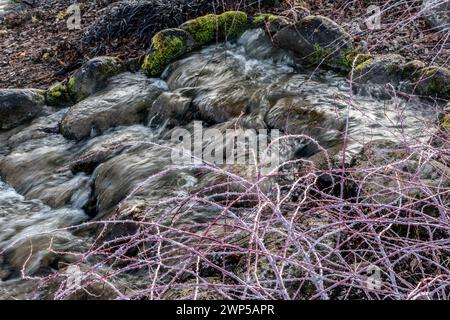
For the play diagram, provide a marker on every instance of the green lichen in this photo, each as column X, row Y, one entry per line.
column 57, row 95
column 261, row 19
column 166, row 47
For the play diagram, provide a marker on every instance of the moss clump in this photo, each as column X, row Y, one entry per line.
column 232, row 24
column 351, row 57
column 111, row 69
column 71, row 86
column 57, row 95
column 319, row 55
column 445, row 122
column 261, row 19
column 172, row 43
column 166, row 46
column 363, row 65
column 211, row 27
column 203, row 29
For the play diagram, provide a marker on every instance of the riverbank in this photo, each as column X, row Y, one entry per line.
column 38, row 49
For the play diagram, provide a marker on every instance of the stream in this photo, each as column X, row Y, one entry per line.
column 48, row 186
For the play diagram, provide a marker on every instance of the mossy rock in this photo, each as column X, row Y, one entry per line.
column 212, row 27
column 352, row 58
column 167, row 45
column 380, row 69
column 93, row 76
column 232, row 24
column 434, row 82
column 203, row 29
column 412, row 68
column 260, row 20
column 317, row 40
column 364, row 65
column 58, row 95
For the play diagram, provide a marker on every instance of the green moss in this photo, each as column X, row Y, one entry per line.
column 166, row 47
column 394, row 68
column 430, row 71
column 57, row 95
column 435, row 81
column 445, row 122
column 172, row 43
column 111, row 69
column 347, row 58
column 259, row 20
column 232, row 24
column 364, row 65
column 203, row 29
column 319, row 55
column 71, row 86
column 208, row 28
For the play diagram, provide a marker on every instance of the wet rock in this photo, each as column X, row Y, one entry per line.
column 93, row 76
column 124, row 101
column 28, row 228
column 380, row 69
column 434, row 81
column 383, row 166
column 118, row 177
column 17, row 106
column 36, row 169
column 170, row 107
column 437, row 13
column 294, row 115
column 39, row 128
column 107, row 146
column 317, row 40
column 223, row 103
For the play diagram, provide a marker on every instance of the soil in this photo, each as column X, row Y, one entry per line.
column 37, row 49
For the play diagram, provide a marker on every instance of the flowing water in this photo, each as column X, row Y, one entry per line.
column 5, row 5
column 42, row 193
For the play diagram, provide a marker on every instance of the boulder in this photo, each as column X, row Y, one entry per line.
column 380, row 69
column 170, row 107
column 293, row 115
column 385, row 168
column 434, row 82
column 317, row 40
column 17, row 106
column 93, row 76
column 437, row 14
column 167, row 45
column 124, row 101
